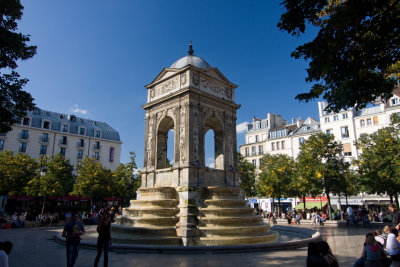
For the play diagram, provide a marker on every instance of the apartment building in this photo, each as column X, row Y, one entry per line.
column 274, row 136
column 44, row 132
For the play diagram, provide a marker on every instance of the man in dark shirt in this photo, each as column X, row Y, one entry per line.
column 72, row 232
column 396, row 216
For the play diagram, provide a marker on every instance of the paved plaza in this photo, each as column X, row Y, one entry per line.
column 36, row 247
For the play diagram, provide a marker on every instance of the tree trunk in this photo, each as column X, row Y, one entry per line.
column 396, row 197
column 340, row 209
column 329, row 206
column 304, row 203
column 279, row 206
column 44, row 203
column 273, row 206
column 391, row 198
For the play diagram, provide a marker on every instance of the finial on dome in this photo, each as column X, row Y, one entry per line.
column 190, row 51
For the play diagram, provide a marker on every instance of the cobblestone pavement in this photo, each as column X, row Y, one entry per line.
column 36, row 247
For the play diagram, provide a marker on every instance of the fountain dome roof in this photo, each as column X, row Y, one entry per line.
column 190, row 59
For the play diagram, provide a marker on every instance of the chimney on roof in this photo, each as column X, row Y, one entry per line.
column 299, row 122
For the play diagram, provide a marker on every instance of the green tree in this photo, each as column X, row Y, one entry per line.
column 322, row 154
column 53, row 178
column 378, row 165
column 355, row 56
column 13, row 47
column 93, row 180
column 15, row 172
column 247, row 174
column 305, row 181
column 126, row 180
column 277, row 172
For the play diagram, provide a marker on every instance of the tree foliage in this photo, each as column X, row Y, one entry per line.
column 355, row 56
column 378, row 165
column 15, row 172
column 277, row 173
column 13, row 47
column 247, row 174
column 53, row 177
column 93, row 180
column 126, row 179
column 322, row 154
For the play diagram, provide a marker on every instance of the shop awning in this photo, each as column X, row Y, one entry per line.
column 311, row 204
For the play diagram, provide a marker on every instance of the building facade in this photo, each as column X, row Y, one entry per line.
column 273, row 135
column 42, row 133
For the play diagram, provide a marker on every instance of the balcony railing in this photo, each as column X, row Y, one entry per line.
column 44, row 139
column 63, row 142
column 96, row 146
column 80, row 144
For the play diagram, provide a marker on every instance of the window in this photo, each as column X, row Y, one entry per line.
column 26, row 121
column 96, row 155
column 283, row 144
column 65, row 128
column 395, row 101
column 246, row 151
column 336, row 118
column 45, row 137
column 257, row 138
column 22, row 147
column 46, row 125
column 375, row 120
column 253, row 150
column 260, row 150
column 362, row 123
column 81, row 131
column 327, row 119
column 1, row 144
column 260, row 162
column 369, row 121
column 111, row 159
column 277, row 145
column 80, row 154
column 345, row 132
column 344, row 116
column 81, row 143
column 24, row 134
column 63, row 140
column 272, row 146
column 254, row 162
column 96, row 145
column 301, row 141
column 347, row 149
column 329, row 131
column 62, row 151
column 43, row 149
column 98, row 134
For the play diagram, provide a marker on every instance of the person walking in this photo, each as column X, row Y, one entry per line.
column 72, row 232
column 104, row 239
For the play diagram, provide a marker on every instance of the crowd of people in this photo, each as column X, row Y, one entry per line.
column 19, row 218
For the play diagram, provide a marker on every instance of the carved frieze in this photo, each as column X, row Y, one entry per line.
column 212, row 87
column 196, row 78
column 183, row 78
column 166, row 86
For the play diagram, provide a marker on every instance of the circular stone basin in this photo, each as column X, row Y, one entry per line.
column 289, row 238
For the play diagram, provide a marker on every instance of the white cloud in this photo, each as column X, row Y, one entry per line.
column 76, row 109
column 241, row 127
column 210, row 163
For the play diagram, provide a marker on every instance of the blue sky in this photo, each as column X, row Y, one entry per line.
column 94, row 57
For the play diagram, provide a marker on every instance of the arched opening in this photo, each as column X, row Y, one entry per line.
column 212, row 123
column 209, row 151
column 164, row 132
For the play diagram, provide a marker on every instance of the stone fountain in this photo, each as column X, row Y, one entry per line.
column 188, row 203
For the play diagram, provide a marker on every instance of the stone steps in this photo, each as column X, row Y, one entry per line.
column 227, row 211
column 151, row 211
column 143, row 231
column 235, row 231
column 146, row 240
column 225, row 203
column 236, row 240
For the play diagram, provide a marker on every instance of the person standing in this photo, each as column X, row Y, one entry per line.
column 72, row 232
column 350, row 214
column 395, row 216
column 104, row 239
